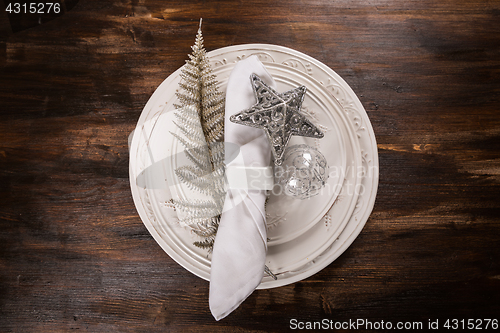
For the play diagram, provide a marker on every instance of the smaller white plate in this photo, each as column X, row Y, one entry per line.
column 288, row 217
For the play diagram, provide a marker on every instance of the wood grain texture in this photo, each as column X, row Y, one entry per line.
column 74, row 253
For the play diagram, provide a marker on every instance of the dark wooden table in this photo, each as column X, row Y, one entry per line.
column 74, row 253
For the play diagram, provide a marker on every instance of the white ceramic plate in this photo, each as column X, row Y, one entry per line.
column 282, row 256
column 287, row 217
column 299, row 249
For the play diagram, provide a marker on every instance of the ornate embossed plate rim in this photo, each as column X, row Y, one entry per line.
column 348, row 99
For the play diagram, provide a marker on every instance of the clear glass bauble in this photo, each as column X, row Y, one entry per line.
column 303, row 173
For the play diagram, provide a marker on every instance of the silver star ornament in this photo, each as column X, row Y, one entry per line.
column 278, row 114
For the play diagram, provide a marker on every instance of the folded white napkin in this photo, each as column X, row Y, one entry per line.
column 239, row 252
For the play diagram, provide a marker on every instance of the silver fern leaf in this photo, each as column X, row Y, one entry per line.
column 200, row 120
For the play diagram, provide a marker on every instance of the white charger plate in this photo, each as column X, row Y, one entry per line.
column 312, row 247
